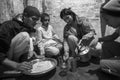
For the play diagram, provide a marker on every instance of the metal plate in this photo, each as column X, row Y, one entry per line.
column 53, row 62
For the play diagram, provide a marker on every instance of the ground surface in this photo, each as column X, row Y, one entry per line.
column 85, row 71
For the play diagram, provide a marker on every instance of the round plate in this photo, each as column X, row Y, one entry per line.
column 53, row 61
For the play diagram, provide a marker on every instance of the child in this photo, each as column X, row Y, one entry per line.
column 48, row 42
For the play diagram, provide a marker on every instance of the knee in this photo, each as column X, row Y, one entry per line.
column 59, row 46
column 109, row 44
column 105, row 44
column 56, row 51
column 72, row 38
column 103, row 63
column 53, row 51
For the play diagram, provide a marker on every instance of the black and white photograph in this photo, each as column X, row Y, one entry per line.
column 59, row 40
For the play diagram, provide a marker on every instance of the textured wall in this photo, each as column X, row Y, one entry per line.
column 9, row 8
column 88, row 8
column 35, row 3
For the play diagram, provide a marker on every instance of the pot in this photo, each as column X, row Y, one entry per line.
column 85, row 55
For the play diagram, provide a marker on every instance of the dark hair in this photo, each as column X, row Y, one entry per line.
column 31, row 11
column 67, row 11
column 43, row 15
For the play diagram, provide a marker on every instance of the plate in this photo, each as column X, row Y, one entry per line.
column 41, row 66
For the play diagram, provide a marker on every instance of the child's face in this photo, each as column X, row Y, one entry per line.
column 68, row 19
column 46, row 21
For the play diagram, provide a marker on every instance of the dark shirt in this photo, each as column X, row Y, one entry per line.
column 82, row 28
column 8, row 30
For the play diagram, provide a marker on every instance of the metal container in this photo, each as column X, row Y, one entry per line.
column 38, row 74
column 85, row 55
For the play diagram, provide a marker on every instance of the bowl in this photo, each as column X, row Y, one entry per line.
column 85, row 55
column 41, row 66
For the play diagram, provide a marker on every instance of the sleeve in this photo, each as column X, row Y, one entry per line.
column 53, row 31
column 111, row 37
column 55, row 36
column 19, row 45
column 117, row 30
column 5, row 41
column 88, row 28
column 39, row 35
column 65, row 44
column 2, row 57
column 66, row 32
column 4, row 46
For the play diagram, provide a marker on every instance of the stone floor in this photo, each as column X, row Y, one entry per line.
column 85, row 71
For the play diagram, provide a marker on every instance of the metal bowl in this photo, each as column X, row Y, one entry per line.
column 85, row 55
column 53, row 62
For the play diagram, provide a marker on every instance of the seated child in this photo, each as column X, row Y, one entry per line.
column 48, row 42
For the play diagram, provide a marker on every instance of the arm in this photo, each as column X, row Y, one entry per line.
column 109, row 37
column 18, row 66
column 39, row 41
column 88, row 29
column 5, row 61
column 66, row 50
column 10, row 63
column 39, row 35
column 5, row 40
column 55, row 36
column 65, row 45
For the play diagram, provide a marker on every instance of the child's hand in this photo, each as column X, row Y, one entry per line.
column 66, row 56
column 31, row 54
column 41, row 57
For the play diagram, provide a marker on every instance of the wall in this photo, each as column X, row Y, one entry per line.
column 9, row 8
column 87, row 8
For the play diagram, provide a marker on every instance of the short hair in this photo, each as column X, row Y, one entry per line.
column 67, row 11
column 31, row 11
column 43, row 15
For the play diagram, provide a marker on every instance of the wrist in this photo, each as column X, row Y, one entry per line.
column 99, row 40
column 17, row 67
column 10, row 63
column 66, row 53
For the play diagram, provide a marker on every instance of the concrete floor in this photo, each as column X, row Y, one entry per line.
column 85, row 71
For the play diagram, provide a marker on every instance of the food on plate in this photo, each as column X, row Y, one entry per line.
column 41, row 66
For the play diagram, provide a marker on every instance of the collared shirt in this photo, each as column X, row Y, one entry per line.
column 45, row 34
column 45, row 37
